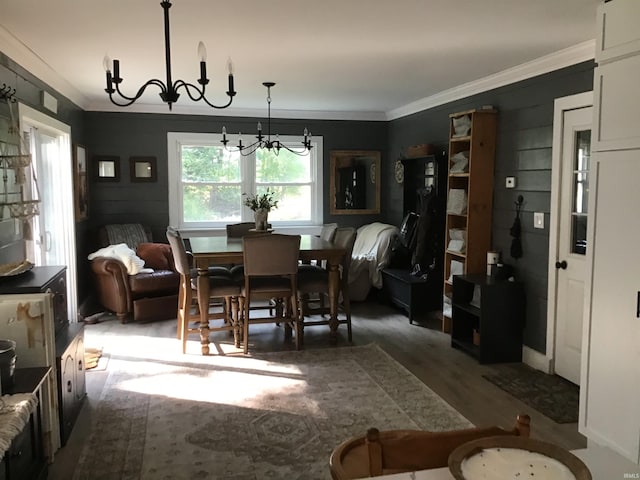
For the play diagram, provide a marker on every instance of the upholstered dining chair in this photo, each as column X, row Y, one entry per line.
column 398, row 451
column 239, row 230
column 221, row 286
column 314, row 279
column 270, row 271
column 327, row 232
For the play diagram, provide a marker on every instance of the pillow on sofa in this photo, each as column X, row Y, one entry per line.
column 156, row 255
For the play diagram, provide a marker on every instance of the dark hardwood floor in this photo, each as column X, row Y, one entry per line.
column 422, row 349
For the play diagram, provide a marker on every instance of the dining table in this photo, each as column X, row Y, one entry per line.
column 221, row 250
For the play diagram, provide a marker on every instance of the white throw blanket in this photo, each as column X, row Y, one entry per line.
column 122, row 252
column 14, row 415
column 371, row 251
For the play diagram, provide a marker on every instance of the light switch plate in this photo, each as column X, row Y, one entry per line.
column 510, row 182
column 538, row 220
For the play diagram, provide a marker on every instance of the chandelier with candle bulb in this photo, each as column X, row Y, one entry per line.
column 169, row 89
column 265, row 141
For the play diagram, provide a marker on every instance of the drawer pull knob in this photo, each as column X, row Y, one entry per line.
column 69, row 386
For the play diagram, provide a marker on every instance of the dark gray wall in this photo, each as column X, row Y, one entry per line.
column 525, row 126
column 129, row 134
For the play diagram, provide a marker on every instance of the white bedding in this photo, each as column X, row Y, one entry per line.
column 371, row 252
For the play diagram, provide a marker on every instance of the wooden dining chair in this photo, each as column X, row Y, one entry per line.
column 270, row 271
column 314, row 279
column 221, row 287
column 398, row 451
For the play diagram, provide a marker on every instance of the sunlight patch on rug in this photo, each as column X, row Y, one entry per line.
column 275, row 415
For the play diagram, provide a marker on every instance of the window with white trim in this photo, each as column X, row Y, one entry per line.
column 207, row 182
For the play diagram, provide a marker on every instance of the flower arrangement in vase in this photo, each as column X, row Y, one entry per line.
column 261, row 206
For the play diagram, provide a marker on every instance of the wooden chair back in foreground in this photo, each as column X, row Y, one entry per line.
column 398, row 451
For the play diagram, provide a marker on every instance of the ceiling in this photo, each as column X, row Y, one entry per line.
column 364, row 59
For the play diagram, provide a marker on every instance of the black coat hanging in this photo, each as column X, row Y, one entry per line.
column 516, row 231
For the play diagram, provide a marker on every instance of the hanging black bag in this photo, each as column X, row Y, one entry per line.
column 516, row 231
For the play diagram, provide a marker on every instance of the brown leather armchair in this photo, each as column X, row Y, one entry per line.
column 143, row 296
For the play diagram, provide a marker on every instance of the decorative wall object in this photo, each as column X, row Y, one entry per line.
column 143, row 169
column 106, row 168
column 80, row 182
column 351, row 193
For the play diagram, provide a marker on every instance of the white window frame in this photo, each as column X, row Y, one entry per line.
column 175, row 141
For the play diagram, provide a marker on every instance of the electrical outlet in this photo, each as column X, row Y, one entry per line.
column 510, row 182
column 538, row 220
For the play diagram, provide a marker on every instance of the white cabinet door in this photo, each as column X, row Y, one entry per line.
column 610, row 403
column 617, row 113
column 618, row 32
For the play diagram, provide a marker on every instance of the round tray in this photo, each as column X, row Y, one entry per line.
column 469, row 449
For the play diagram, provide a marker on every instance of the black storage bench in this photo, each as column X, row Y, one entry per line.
column 412, row 294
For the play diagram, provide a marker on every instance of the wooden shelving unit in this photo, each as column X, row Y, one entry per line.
column 476, row 180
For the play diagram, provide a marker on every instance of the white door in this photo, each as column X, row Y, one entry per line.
column 570, row 262
column 53, row 231
column 49, row 243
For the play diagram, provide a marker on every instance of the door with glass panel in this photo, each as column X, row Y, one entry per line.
column 572, row 242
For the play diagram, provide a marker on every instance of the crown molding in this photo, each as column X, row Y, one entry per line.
column 27, row 59
column 200, row 109
column 562, row 58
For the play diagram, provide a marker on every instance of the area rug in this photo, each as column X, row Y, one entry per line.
column 551, row 395
column 270, row 416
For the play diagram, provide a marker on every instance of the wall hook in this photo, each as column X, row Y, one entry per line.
column 519, row 203
column 7, row 93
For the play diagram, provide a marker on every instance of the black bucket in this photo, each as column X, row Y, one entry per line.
column 7, row 363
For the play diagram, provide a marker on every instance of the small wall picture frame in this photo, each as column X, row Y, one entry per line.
column 80, row 182
column 143, row 169
column 106, row 168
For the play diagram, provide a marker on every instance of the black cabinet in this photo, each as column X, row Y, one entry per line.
column 71, row 376
column 25, row 459
column 488, row 318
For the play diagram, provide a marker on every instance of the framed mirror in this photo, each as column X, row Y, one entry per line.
column 106, row 168
column 143, row 169
column 355, row 182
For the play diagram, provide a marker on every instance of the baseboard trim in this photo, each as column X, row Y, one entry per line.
column 535, row 359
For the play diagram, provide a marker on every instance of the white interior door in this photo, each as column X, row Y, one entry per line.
column 570, row 262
